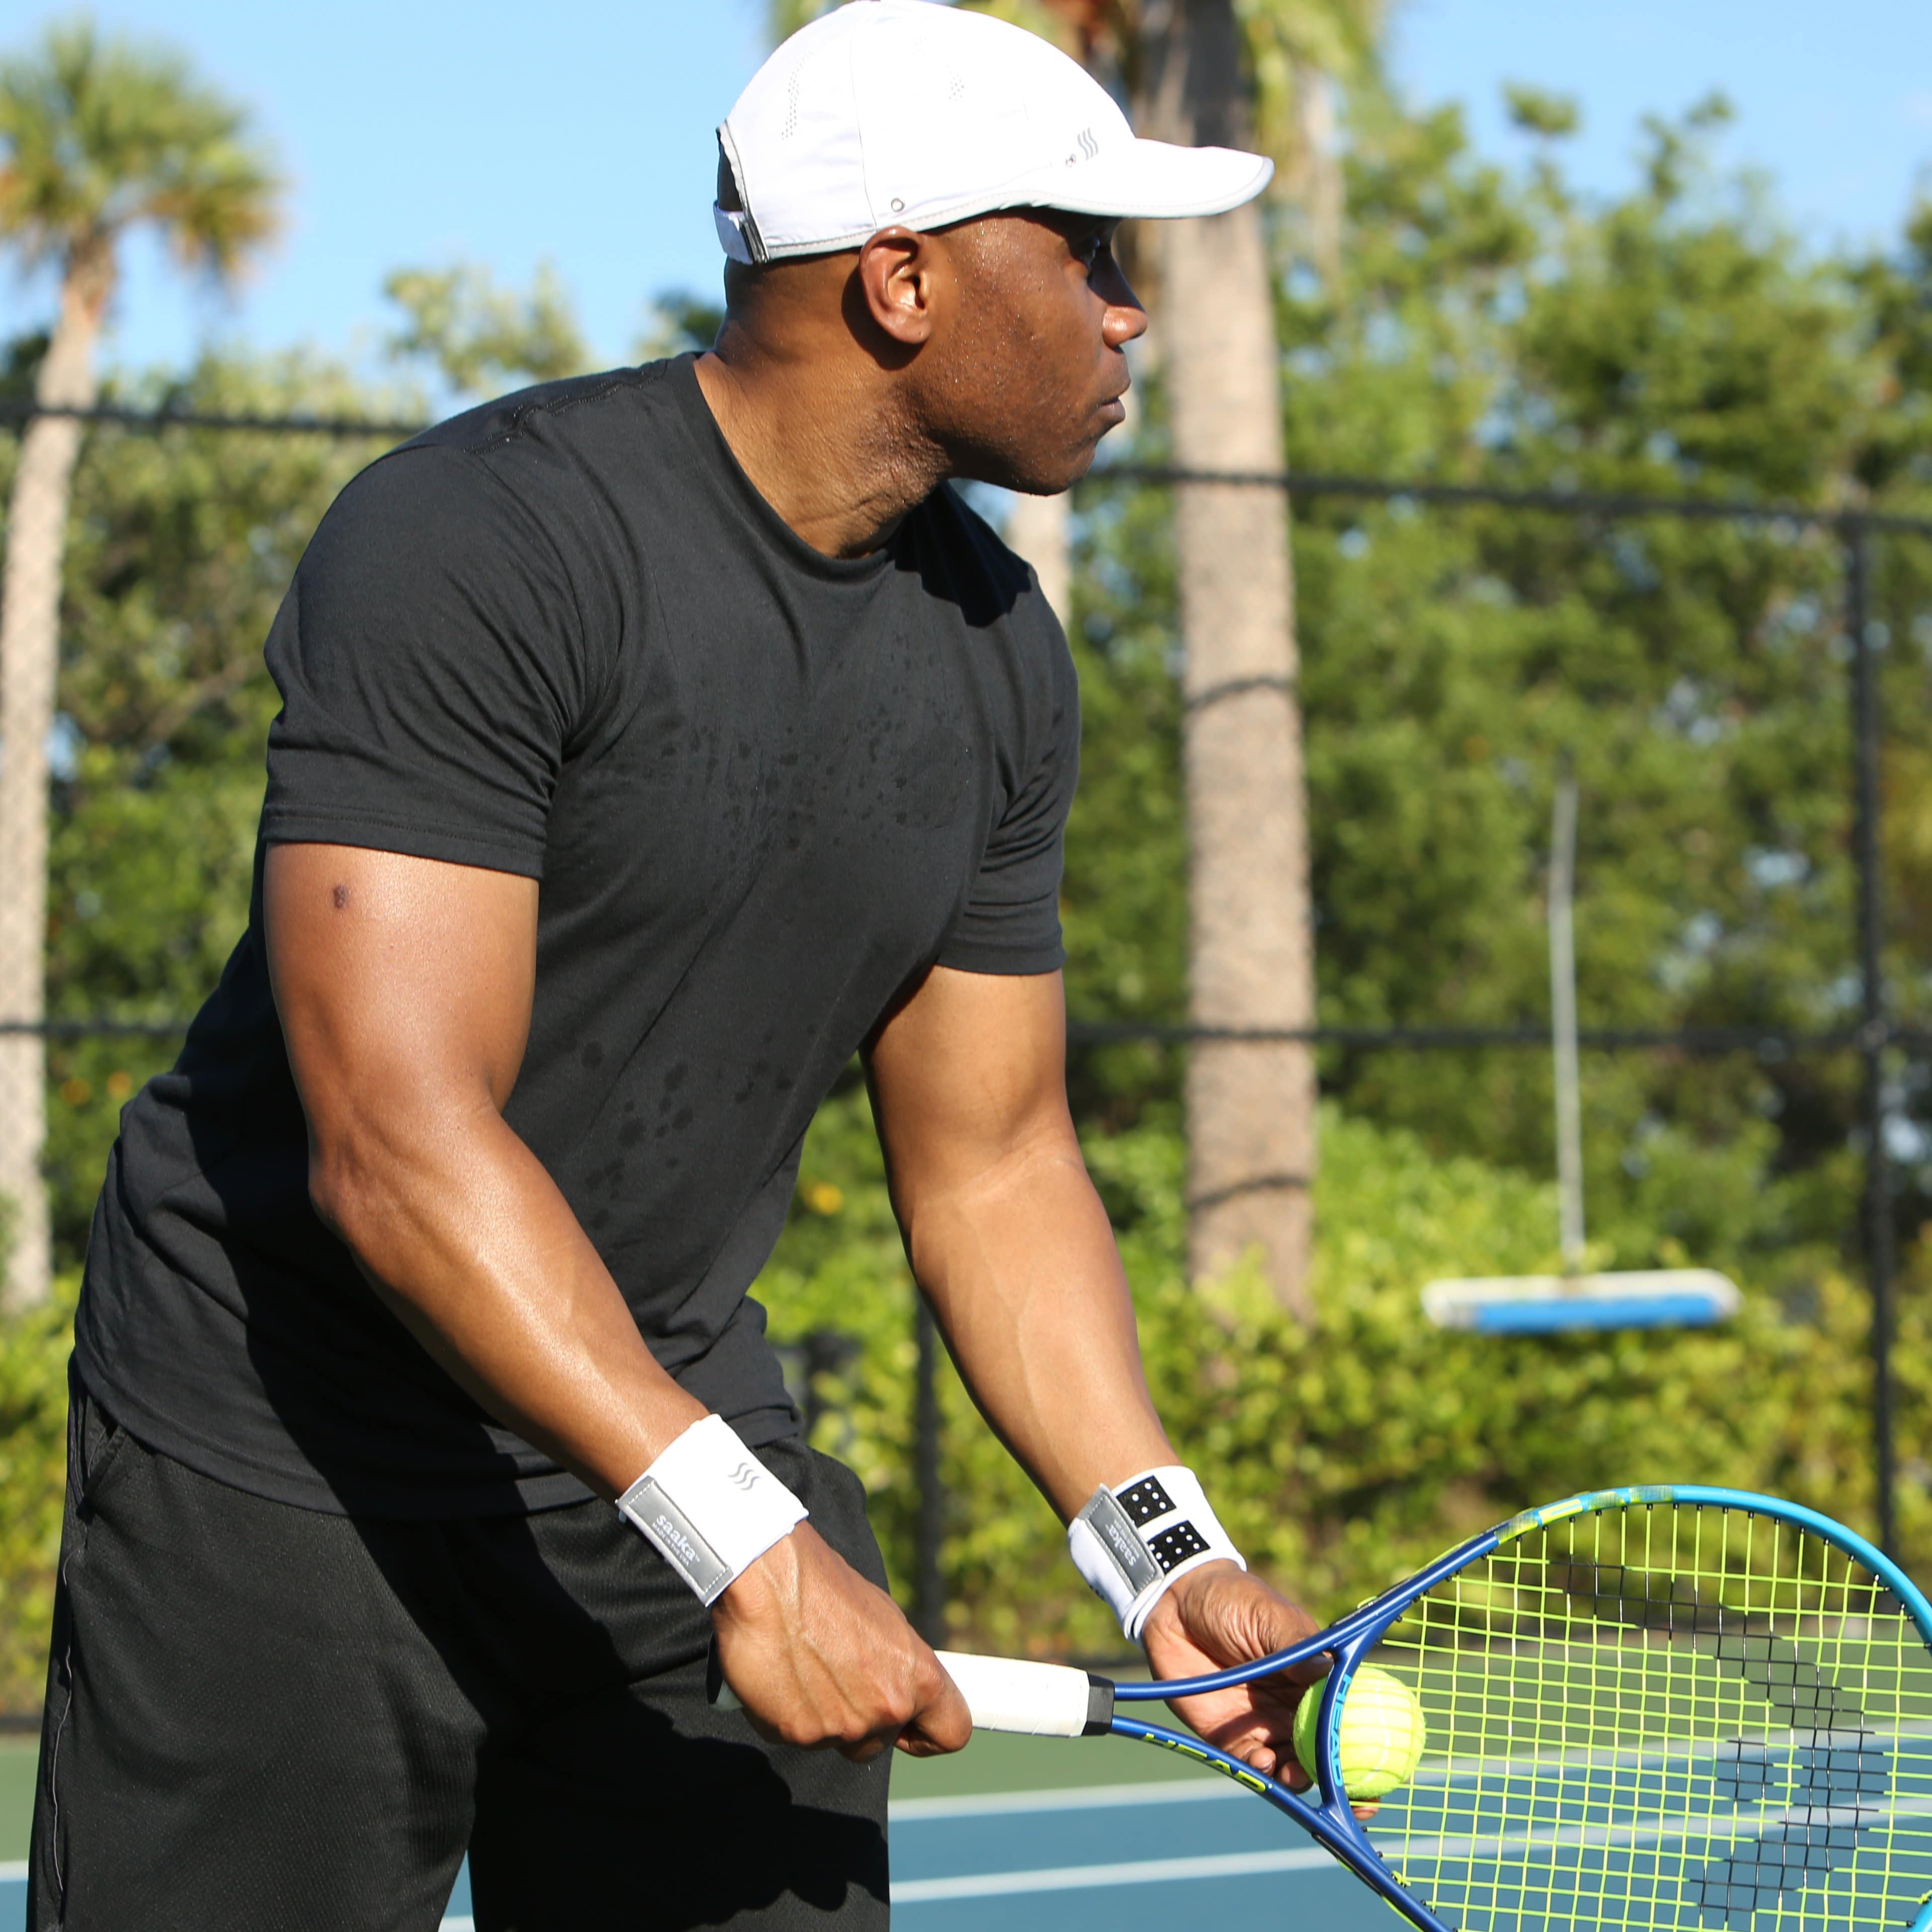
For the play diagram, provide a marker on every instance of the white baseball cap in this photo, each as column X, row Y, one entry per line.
column 914, row 113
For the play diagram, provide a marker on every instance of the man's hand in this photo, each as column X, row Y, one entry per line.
column 817, row 1655
column 1212, row 1619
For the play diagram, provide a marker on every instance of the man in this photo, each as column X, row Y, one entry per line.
column 650, row 743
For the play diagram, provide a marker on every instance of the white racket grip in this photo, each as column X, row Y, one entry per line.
column 1038, row 1700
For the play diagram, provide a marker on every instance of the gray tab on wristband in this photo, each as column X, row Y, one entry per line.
column 1114, row 1528
column 677, row 1542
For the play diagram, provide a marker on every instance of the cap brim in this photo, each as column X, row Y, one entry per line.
column 1152, row 180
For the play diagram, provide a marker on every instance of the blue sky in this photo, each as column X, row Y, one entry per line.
column 417, row 131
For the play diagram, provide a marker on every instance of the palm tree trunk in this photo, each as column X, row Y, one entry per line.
column 1250, row 1105
column 29, row 661
column 1037, row 529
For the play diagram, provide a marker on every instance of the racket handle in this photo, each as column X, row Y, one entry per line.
column 1041, row 1700
column 1037, row 1700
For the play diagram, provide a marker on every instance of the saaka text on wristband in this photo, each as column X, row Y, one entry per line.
column 709, row 1508
column 1133, row 1542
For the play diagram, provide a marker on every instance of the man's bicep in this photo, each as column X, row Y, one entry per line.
column 397, row 979
column 971, row 1068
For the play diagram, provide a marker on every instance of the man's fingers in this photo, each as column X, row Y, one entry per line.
column 942, row 1722
column 835, row 1663
column 937, row 1721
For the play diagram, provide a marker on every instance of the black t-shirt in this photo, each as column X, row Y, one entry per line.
column 563, row 636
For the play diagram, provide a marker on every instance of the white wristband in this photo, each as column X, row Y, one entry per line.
column 1132, row 1543
column 709, row 1506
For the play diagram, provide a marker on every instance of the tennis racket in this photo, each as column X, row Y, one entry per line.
column 1646, row 1708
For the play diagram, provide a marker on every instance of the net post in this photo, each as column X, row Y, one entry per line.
column 929, row 1600
column 1874, row 1030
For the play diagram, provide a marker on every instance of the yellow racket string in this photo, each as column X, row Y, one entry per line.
column 1665, row 1715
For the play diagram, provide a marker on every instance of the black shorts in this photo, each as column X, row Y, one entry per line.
column 265, row 1718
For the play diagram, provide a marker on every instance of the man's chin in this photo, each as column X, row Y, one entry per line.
column 1031, row 477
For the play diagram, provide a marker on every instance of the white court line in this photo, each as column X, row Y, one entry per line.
column 14, row 1868
column 1079, row 1878
column 465, row 1924
column 1076, row 1798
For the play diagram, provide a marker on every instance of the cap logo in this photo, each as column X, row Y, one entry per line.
column 1089, row 148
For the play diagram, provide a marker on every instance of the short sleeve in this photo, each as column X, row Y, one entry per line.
column 1010, row 922
column 432, row 669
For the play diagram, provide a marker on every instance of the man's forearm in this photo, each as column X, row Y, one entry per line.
column 1025, row 1279
column 404, row 989
column 470, row 1241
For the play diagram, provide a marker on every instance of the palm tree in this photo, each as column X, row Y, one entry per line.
column 1260, row 74
column 97, row 137
column 1207, row 72
column 1242, row 73
column 1250, row 1104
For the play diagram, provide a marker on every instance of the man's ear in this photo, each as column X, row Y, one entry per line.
column 904, row 278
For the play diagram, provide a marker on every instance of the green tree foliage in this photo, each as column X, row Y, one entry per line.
column 1343, row 1456
column 1539, row 112
column 33, row 1346
column 180, row 546
column 677, row 322
column 1489, row 327
column 97, row 137
column 482, row 339
column 1895, row 294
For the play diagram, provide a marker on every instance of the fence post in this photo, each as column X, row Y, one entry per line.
column 1874, row 1028
column 928, row 1588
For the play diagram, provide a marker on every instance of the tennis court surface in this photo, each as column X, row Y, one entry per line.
column 1027, row 1834
column 1020, row 1834
column 1113, row 1858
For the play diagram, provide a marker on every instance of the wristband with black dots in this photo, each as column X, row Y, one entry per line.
column 1134, row 1541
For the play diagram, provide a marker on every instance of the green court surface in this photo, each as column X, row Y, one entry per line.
column 18, row 1756
column 992, row 1762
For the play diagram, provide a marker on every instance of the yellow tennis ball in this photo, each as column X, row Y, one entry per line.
column 1382, row 1732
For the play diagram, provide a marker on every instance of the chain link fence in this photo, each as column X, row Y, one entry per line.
column 123, row 888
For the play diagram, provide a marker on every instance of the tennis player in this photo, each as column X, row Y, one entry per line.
column 650, row 743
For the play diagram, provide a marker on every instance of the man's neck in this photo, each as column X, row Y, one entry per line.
column 821, row 444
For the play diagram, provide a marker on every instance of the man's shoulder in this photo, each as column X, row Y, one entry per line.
column 576, row 412
column 542, row 465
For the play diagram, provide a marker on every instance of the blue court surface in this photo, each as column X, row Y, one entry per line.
column 1111, row 1857
column 1117, row 1857
column 1120, row 1857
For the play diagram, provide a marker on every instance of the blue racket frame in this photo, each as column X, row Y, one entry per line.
column 1331, row 1823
